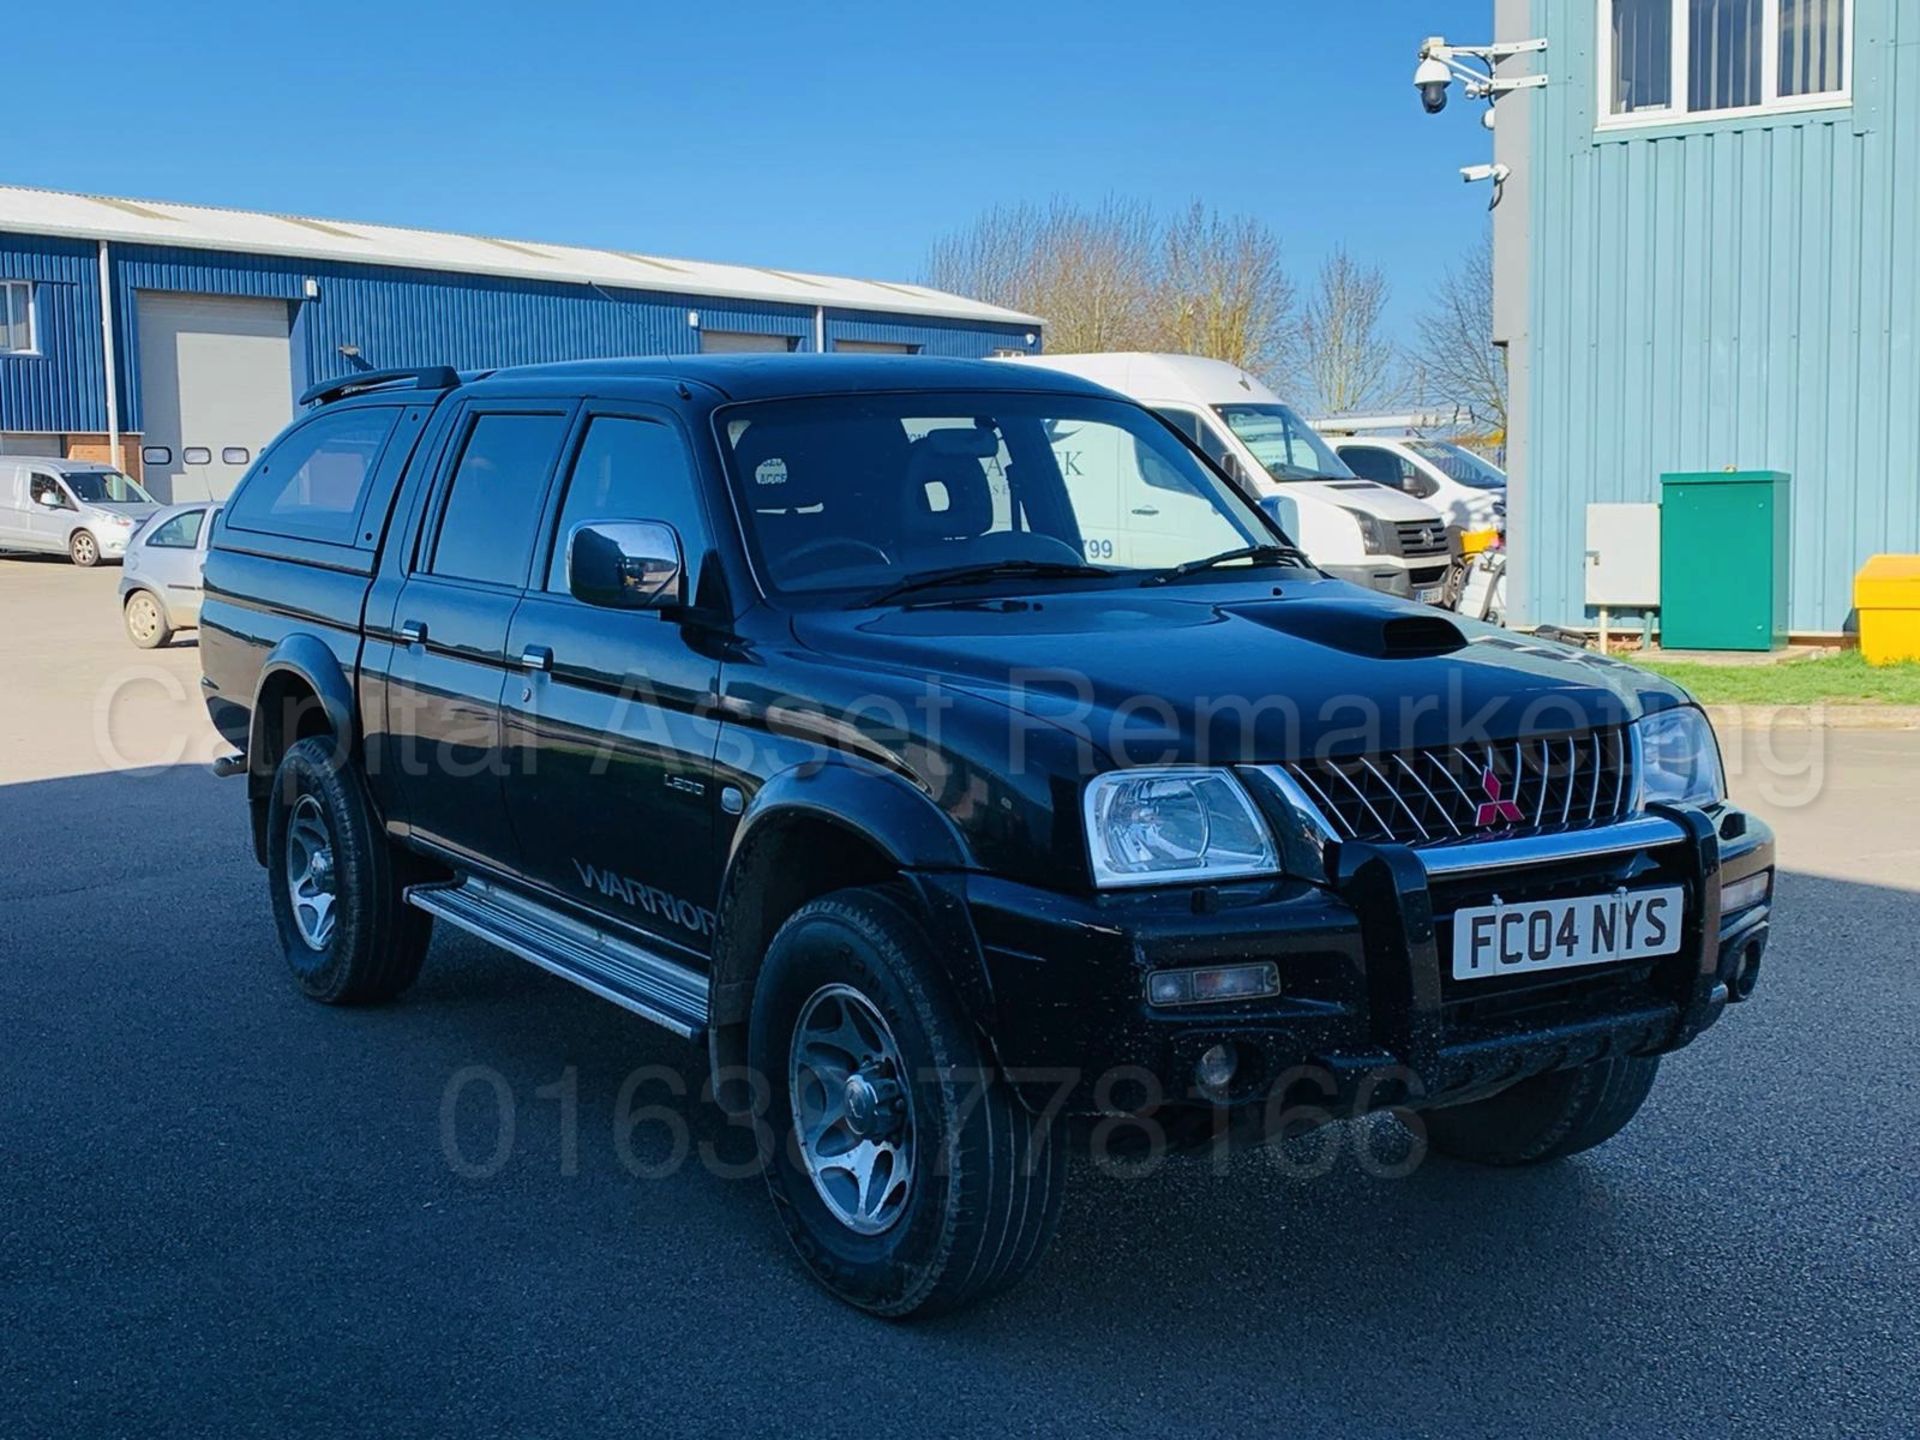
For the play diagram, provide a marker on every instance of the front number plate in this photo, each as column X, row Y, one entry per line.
column 1555, row 934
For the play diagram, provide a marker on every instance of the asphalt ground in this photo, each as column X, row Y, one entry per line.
column 487, row 1210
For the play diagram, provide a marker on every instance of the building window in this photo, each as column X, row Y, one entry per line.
column 16, row 317
column 1675, row 59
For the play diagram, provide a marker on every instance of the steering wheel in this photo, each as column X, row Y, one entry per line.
column 829, row 542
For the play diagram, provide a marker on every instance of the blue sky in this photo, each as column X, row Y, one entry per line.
column 833, row 137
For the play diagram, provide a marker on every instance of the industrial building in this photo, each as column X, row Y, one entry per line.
column 175, row 338
column 1704, row 260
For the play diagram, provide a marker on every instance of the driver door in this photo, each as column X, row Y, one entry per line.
column 48, row 526
column 609, row 714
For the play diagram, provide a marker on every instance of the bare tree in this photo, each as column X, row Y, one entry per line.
column 1224, row 292
column 1115, row 277
column 1090, row 274
column 1346, row 363
column 1458, row 361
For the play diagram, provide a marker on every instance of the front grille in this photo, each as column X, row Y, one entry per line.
column 1482, row 790
column 1421, row 538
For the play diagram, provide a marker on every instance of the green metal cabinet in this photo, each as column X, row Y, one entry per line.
column 1723, row 560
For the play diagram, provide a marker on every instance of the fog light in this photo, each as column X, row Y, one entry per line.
column 1213, row 985
column 1215, row 1071
column 1745, row 894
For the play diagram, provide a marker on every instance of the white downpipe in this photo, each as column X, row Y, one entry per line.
column 819, row 329
column 106, row 337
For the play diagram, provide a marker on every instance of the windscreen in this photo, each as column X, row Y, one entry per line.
column 1284, row 444
column 1461, row 464
column 106, row 487
column 851, row 492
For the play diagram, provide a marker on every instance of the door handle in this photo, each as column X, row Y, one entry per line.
column 536, row 657
column 413, row 632
column 1145, row 510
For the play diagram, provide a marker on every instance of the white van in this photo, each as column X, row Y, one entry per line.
column 78, row 508
column 1353, row 528
column 1470, row 490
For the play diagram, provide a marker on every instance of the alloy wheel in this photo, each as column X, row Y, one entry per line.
column 852, row 1115
column 310, row 872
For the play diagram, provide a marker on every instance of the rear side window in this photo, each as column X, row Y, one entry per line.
column 311, row 483
column 492, row 513
column 179, row 532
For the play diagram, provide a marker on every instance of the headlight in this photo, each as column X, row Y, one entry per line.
column 1680, row 759
column 1374, row 537
column 1147, row 827
column 124, row 522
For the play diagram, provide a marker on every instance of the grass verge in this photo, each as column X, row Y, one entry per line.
column 1843, row 678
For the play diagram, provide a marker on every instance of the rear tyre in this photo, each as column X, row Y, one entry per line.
column 348, row 934
column 147, row 623
column 1546, row 1117
column 83, row 549
column 908, row 1176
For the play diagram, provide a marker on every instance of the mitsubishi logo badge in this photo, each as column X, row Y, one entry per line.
column 1495, row 810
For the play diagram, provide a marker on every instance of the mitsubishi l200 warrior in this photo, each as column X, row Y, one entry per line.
column 828, row 712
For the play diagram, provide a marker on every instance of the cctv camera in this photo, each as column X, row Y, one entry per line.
column 1431, row 79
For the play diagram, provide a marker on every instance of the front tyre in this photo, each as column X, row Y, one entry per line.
column 907, row 1174
column 83, row 549
column 348, row 935
column 1546, row 1117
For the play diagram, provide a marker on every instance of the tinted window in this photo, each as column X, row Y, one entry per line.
column 845, row 492
column 1185, row 421
column 1370, row 462
column 493, row 506
column 179, row 532
column 1202, row 434
column 311, row 482
column 632, row 470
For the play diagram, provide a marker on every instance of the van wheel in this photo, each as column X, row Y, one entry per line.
column 146, row 622
column 908, row 1176
column 1546, row 1117
column 348, row 934
column 83, row 549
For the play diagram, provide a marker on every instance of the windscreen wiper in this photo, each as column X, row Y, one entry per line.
column 1257, row 554
column 988, row 570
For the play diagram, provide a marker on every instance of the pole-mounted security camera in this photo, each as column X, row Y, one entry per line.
column 1431, row 78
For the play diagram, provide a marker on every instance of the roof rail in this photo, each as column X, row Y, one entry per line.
column 425, row 377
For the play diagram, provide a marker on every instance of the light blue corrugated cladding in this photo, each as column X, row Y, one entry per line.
column 1732, row 293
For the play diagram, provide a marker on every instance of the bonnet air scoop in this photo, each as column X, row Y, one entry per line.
column 1359, row 627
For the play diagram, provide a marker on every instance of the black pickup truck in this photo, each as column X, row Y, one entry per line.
column 967, row 763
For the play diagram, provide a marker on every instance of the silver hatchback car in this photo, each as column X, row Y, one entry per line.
column 160, row 577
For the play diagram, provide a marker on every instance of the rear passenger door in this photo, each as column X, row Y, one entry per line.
column 469, row 571
column 610, row 713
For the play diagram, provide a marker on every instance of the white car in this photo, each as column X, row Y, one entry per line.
column 1470, row 490
column 1353, row 528
column 78, row 508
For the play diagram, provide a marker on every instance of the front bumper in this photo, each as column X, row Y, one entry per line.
column 1396, row 577
column 1369, row 1014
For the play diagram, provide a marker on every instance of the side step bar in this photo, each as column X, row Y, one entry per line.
column 650, row 985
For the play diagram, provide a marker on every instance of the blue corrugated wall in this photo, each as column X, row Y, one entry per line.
column 951, row 339
column 395, row 316
column 62, row 387
column 1739, row 293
